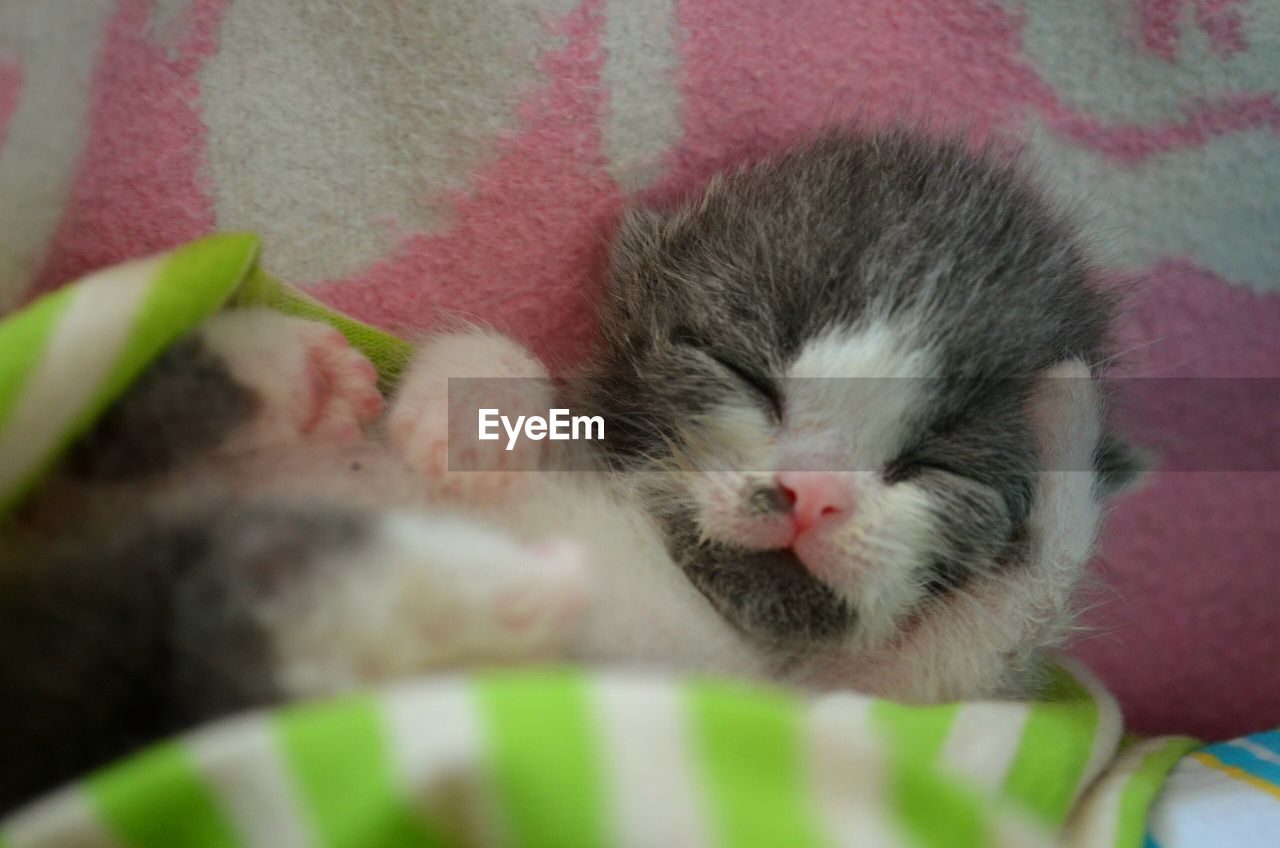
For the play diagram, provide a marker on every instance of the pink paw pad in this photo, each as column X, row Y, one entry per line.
column 434, row 428
column 341, row 387
column 553, row 599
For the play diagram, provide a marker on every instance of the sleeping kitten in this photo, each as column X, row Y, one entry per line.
column 856, row 382
column 245, row 527
column 851, row 431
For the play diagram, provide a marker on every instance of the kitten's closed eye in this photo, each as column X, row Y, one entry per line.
column 909, row 466
column 902, row 469
column 762, row 386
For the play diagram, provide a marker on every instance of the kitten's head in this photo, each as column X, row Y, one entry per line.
column 836, row 364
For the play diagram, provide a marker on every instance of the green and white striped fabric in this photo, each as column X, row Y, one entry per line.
column 67, row 356
column 543, row 758
column 557, row 758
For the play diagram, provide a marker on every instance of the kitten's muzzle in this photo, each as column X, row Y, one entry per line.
column 812, row 502
column 815, row 498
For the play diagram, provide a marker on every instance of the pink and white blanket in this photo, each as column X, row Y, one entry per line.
column 402, row 158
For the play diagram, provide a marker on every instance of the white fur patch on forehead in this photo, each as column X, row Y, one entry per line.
column 858, row 390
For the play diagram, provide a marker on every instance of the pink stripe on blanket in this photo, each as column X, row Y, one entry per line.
column 756, row 73
column 1220, row 19
column 138, row 187
column 527, row 251
column 10, row 93
column 1132, row 144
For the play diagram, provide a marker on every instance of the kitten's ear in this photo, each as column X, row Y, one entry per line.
column 1066, row 414
column 635, row 287
column 639, row 232
column 1119, row 465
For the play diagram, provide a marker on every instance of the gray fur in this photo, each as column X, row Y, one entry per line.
column 713, row 298
column 187, row 402
column 116, row 640
column 120, row 625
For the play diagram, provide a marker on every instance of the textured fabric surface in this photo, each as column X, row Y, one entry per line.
column 565, row 759
column 405, row 160
column 1223, row 794
column 64, row 359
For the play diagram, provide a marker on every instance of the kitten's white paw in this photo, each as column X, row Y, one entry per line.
column 468, row 594
column 434, row 421
column 541, row 611
column 308, row 379
column 428, row 593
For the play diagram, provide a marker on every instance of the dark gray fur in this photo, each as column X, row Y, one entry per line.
column 714, row 297
column 119, row 627
column 187, row 402
column 115, row 641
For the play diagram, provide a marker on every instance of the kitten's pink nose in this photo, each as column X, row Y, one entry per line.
column 815, row 496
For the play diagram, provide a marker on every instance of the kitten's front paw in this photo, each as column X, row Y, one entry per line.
column 435, row 420
column 464, row 595
column 307, row 377
column 341, row 393
column 422, row 593
column 533, row 617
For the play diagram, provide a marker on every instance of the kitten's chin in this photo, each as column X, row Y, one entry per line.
column 768, row 595
column 886, row 605
column 836, row 569
column 784, row 560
